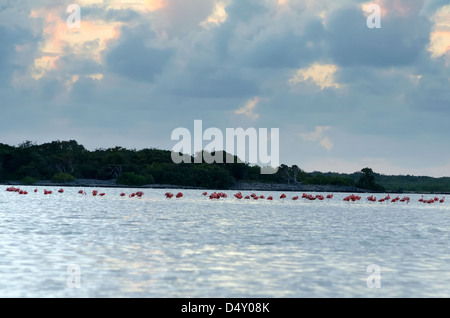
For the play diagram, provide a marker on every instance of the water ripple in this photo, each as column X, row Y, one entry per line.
column 195, row 247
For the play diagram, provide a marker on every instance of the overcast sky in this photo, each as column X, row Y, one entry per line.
column 344, row 96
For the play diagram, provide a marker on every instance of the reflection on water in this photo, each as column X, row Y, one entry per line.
column 195, row 247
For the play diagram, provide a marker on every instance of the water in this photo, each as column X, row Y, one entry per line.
column 196, row 247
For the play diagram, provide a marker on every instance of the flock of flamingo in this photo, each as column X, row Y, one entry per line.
column 82, row 192
column 239, row 195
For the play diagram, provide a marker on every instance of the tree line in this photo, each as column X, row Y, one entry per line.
column 66, row 161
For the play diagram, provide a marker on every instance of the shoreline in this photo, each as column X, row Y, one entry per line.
column 238, row 186
column 91, row 183
column 258, row 186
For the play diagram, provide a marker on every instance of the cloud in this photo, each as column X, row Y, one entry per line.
column 7, row 52
column 320, row 74
column 399, row 42
column 318, row 135
column 249, row 109
column 272, row 36
column 439, row 45
column 59, row 41
column 134, row 56
column 217, row 17
column 326, row 143
column 180, row 17
column 136, row 5
column 145, row 67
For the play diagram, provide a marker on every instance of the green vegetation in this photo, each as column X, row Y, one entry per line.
column 418, row 184
column 367, row 181
column 63, row 177
column 133, row 179
column 29, row 180
column 327, row 179
column 66, row 161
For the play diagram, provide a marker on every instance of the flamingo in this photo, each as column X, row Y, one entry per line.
column 421, row 199
column 405, row 199
column 205, row 193
column 94, row 192
column 442, row 200
column 352, row 197
column 330, row 196
column 295, row 198
column 283, row 196
column 122, row 194
column 102, row 194
column 179, row 195
column 214, row 195
column 61, row 190
column 270, row 198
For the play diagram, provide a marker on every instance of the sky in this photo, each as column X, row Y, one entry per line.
column 343, row 96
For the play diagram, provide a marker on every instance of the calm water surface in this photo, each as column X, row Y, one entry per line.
column 196, row 247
